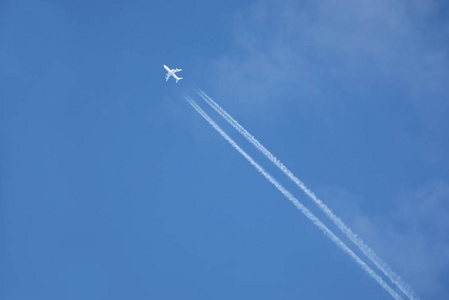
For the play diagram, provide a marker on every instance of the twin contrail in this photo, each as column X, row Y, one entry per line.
column 298, row 204
column 384, row 267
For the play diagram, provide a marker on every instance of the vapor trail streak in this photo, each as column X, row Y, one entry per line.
column 378, row 262
column 298, row 204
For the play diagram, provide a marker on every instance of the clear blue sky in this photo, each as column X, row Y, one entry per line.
column 113, row 187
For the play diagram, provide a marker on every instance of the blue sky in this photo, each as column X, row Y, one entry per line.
column 113, row 187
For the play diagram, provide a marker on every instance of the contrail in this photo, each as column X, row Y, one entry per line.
column 378, row 262
column 296, row 202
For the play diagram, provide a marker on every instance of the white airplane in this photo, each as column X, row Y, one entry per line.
column 171, row 72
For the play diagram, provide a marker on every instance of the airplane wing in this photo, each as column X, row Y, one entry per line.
column 177, row 70
column 167, row 76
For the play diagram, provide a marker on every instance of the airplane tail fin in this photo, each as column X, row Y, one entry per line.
column 178, row 79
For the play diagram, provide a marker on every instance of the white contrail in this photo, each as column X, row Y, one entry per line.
column 298, row 204
column 384, row 267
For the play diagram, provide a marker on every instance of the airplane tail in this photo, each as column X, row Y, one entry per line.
column 178, row 79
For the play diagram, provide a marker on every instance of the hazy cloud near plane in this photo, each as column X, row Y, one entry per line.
column 333, row 50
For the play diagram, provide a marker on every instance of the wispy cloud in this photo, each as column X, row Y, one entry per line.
column 336, row 60
column 414, row 235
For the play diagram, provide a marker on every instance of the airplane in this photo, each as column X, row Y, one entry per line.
column 172, row 73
